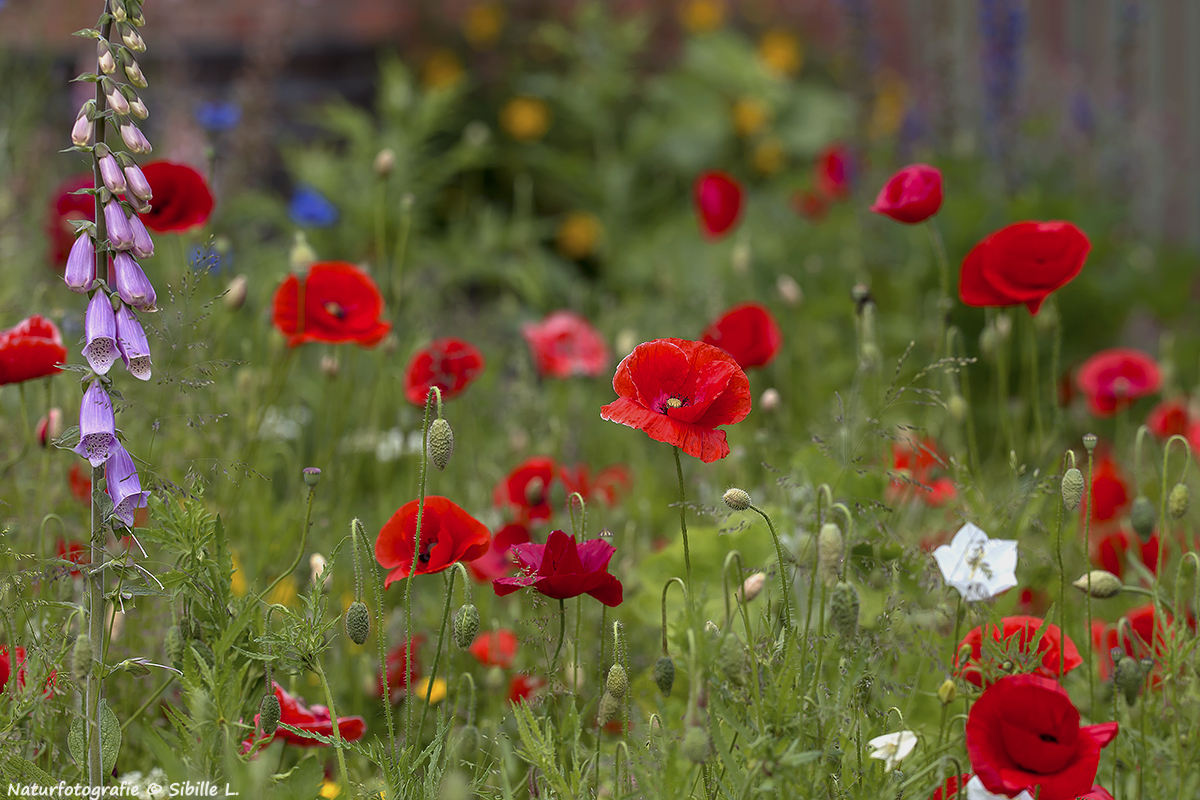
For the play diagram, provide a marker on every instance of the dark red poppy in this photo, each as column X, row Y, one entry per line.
column 1113, row 379
column 80, row 481
column 7, row 666
column 181, row 201
column 718, row 200
column 809, row 204
column 495, row 648
column 564, row 345
column 341, row 304
column 31, row 349
column 449, row 364
column 678, row 392
column 316, row 719
column 65, row 207
column 75, row 552
column 499, row 560
column 834, row 172
column 1148, row 631
column 607, row 485
column 1018, row 637
column 448, row 534
column 561, row 569
column 955, row 788
column 1109, row 490
column 402, row 671
column 1022, row 263
column 917, row 462
column 526, row 489
column 914, row 194
column 747, row 332
column 1023, row 733
column 1110, row 551
column 523, row 686
column 1169, row 418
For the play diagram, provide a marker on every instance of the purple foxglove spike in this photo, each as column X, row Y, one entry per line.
column 124, row 488
column 80, row 273
column 97, row 426
column 120, row 235
column 110, row 173
column 138, row 185
column 132, row 284
column 131, row 340
column 100, row 334
column 82, row 130
column 118, row 102
column 134, row 139
column 143, row 245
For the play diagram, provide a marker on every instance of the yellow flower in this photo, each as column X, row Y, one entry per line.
column 441, row 70
column 526, row 119
column 768, row 156
column 702, row 16
column 780, row 53
column 483, row 23
column 284, row 593
column 891, row 104
column 749, row 115
column 436, row 696
column 579, row 234
column 238, row 581
column 330, row 790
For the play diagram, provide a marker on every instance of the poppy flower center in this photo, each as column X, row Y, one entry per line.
column 1046, row 737
column 671, row 402
column 423, row 553
column 334, row 309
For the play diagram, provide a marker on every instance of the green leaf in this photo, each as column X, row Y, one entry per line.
column 77, row 743
column 16, row 770
column 110, row 738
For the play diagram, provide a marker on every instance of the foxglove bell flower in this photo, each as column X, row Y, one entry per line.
column 81, row 131
column 143, row 245
column 80, row 273
column 978, row 567
column 118, row 102
column 113, row 177
column 139, row 187
column 100, row 334
column 124, row 487
column 120, row 235
column 134, row 139
column 131, row 341
column 97, row 426
column 132, row 284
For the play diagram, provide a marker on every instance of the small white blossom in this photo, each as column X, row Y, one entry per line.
column 892, row 748
column 977, row 566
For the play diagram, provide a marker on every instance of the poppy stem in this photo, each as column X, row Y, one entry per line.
column 343, row 775
column 437, row 653
column 785, row 585
column 381, row 641
column 687, row 554
column 562, row 634
column 1062, row 576
column 1087, row 549
column 397, row 262
column 412, row 572
column 300, row 552
column 1035, row 391
column 944, row 302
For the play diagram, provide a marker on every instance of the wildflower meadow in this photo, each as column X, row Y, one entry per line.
column 621, row 404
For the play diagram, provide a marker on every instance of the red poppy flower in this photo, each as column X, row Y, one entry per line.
column 523, row 686
column 31, row 349
column 678, row 392
column 182, row 200
column 75, row 552
column 955, row 788
column 1023, row 733
column 341, row 304
column 527, row 488
column 495, row 648
column 499, row 561
column 80, row 482
column 747, row 332
column 917, row 461
column 607, row 484
column 64, row 207
column 448, row 534
column 561, row 569
column 1109, row 551
column 718, row 200
column 1113, row 379
column 1149, row 630
column 1193, row 436
column 834, row 172
column 1169, row 418
column 449, row 364
column 1022, row 263
column 1109, row 490
column 1052, row 647
column 1032, row 602
column 7, row 666
column 914, row 194
column 402, row 671
column 809, row 204
column 316, row 719
column 565, row 344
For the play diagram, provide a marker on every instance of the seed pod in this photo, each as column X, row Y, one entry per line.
column 843, row 610
column 466, row 626
column 696, row 745
column 1128, row 678
column 610, row 707
column 268, row 714
column 173, row 646
column 358, row 622
column 1072, row 488
column 1103, row 584
column 1178, row 500
column 81, row 658
column 618, row 681
column 664, row 675
column 441, row 443
column 312, row 476
column 1142, row 517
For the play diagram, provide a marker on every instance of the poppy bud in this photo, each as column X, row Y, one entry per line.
column 235, row 293
column 268, row 714
column 1128, row 678
column 1072, row 488
column 468, row 742
column 1103, row 584
column 696, row 745
column 358, row 622
column 731, row 660
column 1177, row 500
column 385, row 162
column 956, row 407
column 104, row 56
column 441, row 443
column 466, row 626
column 81, row 658
column 753, row 586
column 1142, row 517
column 610, row 707
column 737, row 499
column 843, row 610
column 302, row 255
column 312, row 476
column 1089, row 441
column 664, row 674
column 829, row 553
column 770, row 400
column 948, row 691
column 618, row 681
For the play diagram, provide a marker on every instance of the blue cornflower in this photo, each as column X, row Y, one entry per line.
column 218, row 116
column 310, row 209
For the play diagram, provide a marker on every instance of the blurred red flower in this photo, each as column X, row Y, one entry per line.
column 955, row 788
column 1022, row 263
column 1149, row 632
column 7, row 666
column 561, row 569
column 449, row 364
column 1032, row 602
column 64, row 207
column 678, row 392
column 607, row 484
column 917, row 460
column 1113, row 379
column 747, row 332
column 80, row 481
column 834, row 172
column 526, row 489
column 565, row 344
column 31, row 349
column 182, row 199
column 341, row 304
column 1109, row 489
column 448, row 534
column 495, row 648
column 1169, row 418
column 1109, row 551
column 523, row 686
column 1052, row 646
column 316, row 719
column 402, row 671
column 499, row 561
column 718, row 200
column 809, row 204
column 914, row 194
column 73, row 551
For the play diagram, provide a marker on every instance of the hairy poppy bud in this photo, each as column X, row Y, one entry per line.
column 466, row 625
column 1142, row 517
column 664, row 674
column 829, row 553
column 618, row 681
column 753, row 586
column 358, row 622
column 948, row 691
column 696, row 745
column 610, row 707
column 737, row 499
column 1128, row 678
column 441, row 443
column 1103, row 584
column 843, row 610
column 1072, row 488
column 1177, row 500
column 731, row 660
column 468, row 742
column 81, row 658
column 268, row 714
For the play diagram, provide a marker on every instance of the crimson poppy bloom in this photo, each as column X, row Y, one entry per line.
column 448, row 534
column 316, row 719
column 561, row 569
column 607, row 485
column 1149, row 639
column 565, row 344
column 1113, row 379
column 65, row 207
column 523, row 686
column 527, row 489
column 495, row 648
column 955, row 788
column 182, row 199
column 31, row 349
column 1109, row 491
column 1053, row 646
column 1023, row 733
column 340, row 304
column 678, row 392
column 809, row 204
column 499, row 561
column 1169, row 418
column 834, row 172
column 449, row 364
column 1022, row 263
column 718, row 200
column 747, row 332
column 1110, row 551
column 7, row 666
column 914, row 194
column 72, row 551
column 80, row 483
column 402, row 670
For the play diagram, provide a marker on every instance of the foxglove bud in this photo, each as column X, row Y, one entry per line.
column 120, row 235
column 1142, row 517
column 1103, row 584
column 843, row 610
column 664, row 674
column 134, row 73
column 80, row 273
column 829, row 553
column 118, row 11
column 117, row 101
column 100, row 334
column 753, row 586
column 134, row 140
column 110, row 173
column 948, row 691
column 737, row 499
column 132, row 40
column 1177, row 500
column 133, row 287
column 81, row 658
column 466, row 626
column 1072, row 488
column 104, row 56
column 441, row 443
column 268, row 714
column 132, row 344
column 617, row 682
column 138, row 109
column 139, row 187
column 358, row 622
column 696, row 745
column 82, row 130
column 143, row 245
column 1128, row 678
column 610, row 707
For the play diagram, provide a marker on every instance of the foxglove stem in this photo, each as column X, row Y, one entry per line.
column 412, row 573
column 785, row 585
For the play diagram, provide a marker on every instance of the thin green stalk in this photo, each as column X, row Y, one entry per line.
column 381, row 232
column 687, row 556
column 944, row 301
column 562, row 634
column 437, row 653
column 958, row 614
column 1087, row 543
column 1062, row 581
column 300, row 552
column 412, row 572
column 785, row 585
column 343, row 775
column 397, row 262
column 1035, row 391
column 381, row 642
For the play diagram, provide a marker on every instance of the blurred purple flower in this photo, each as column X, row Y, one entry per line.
column 310, row 209
column 218, row 116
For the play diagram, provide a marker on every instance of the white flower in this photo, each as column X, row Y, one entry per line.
column 977, row 566
column 977, row 791
column 891, row 748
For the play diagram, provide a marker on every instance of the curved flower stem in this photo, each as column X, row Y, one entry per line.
column 667, row 586
column 437, row 653
column 944, row 302
column 412, row 572
column 299, row 553
column 580, row 529
column 1062, row 576
column 785, row 585
column 1087, row 549
column 562, row 634
column 687, row 555
column 381, row 642
column 343, row 775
